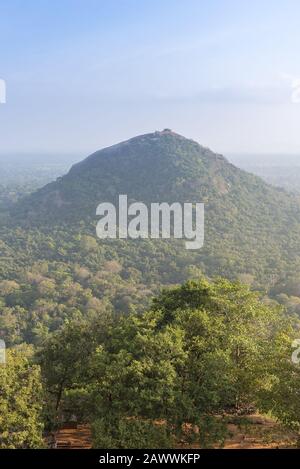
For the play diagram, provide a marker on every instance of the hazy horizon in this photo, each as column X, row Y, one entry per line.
column 243, row 159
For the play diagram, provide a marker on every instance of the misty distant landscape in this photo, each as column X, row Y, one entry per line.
column 279, row 170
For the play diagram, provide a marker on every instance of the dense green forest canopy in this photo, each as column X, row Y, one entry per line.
column 202, row 352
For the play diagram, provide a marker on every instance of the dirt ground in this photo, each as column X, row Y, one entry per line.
column 248, row 432
column 256, row 431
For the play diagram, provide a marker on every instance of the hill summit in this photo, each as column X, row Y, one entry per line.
column 157, row 167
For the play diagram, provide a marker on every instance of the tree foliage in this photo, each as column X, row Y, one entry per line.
column 21, row 400
column 203, row 351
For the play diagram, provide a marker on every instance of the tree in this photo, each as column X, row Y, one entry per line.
column 64, row 359
column 280, row 395
column 21, row 400
column 136, row 381
column 199, row 353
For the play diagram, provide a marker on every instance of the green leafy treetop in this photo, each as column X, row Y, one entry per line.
column 21, row 400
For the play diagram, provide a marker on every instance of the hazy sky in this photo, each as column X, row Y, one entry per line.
column 82, row 74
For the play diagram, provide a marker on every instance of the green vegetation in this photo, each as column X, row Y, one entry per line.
column 60, row 270
column 144, row 372
column 202, row 351
column 21, row 401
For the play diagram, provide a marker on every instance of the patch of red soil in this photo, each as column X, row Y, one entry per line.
column 252, row 432
column 78, row 437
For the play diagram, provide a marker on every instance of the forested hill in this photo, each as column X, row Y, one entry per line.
column 50, row 250
column 161, row 166
column 250, row 226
